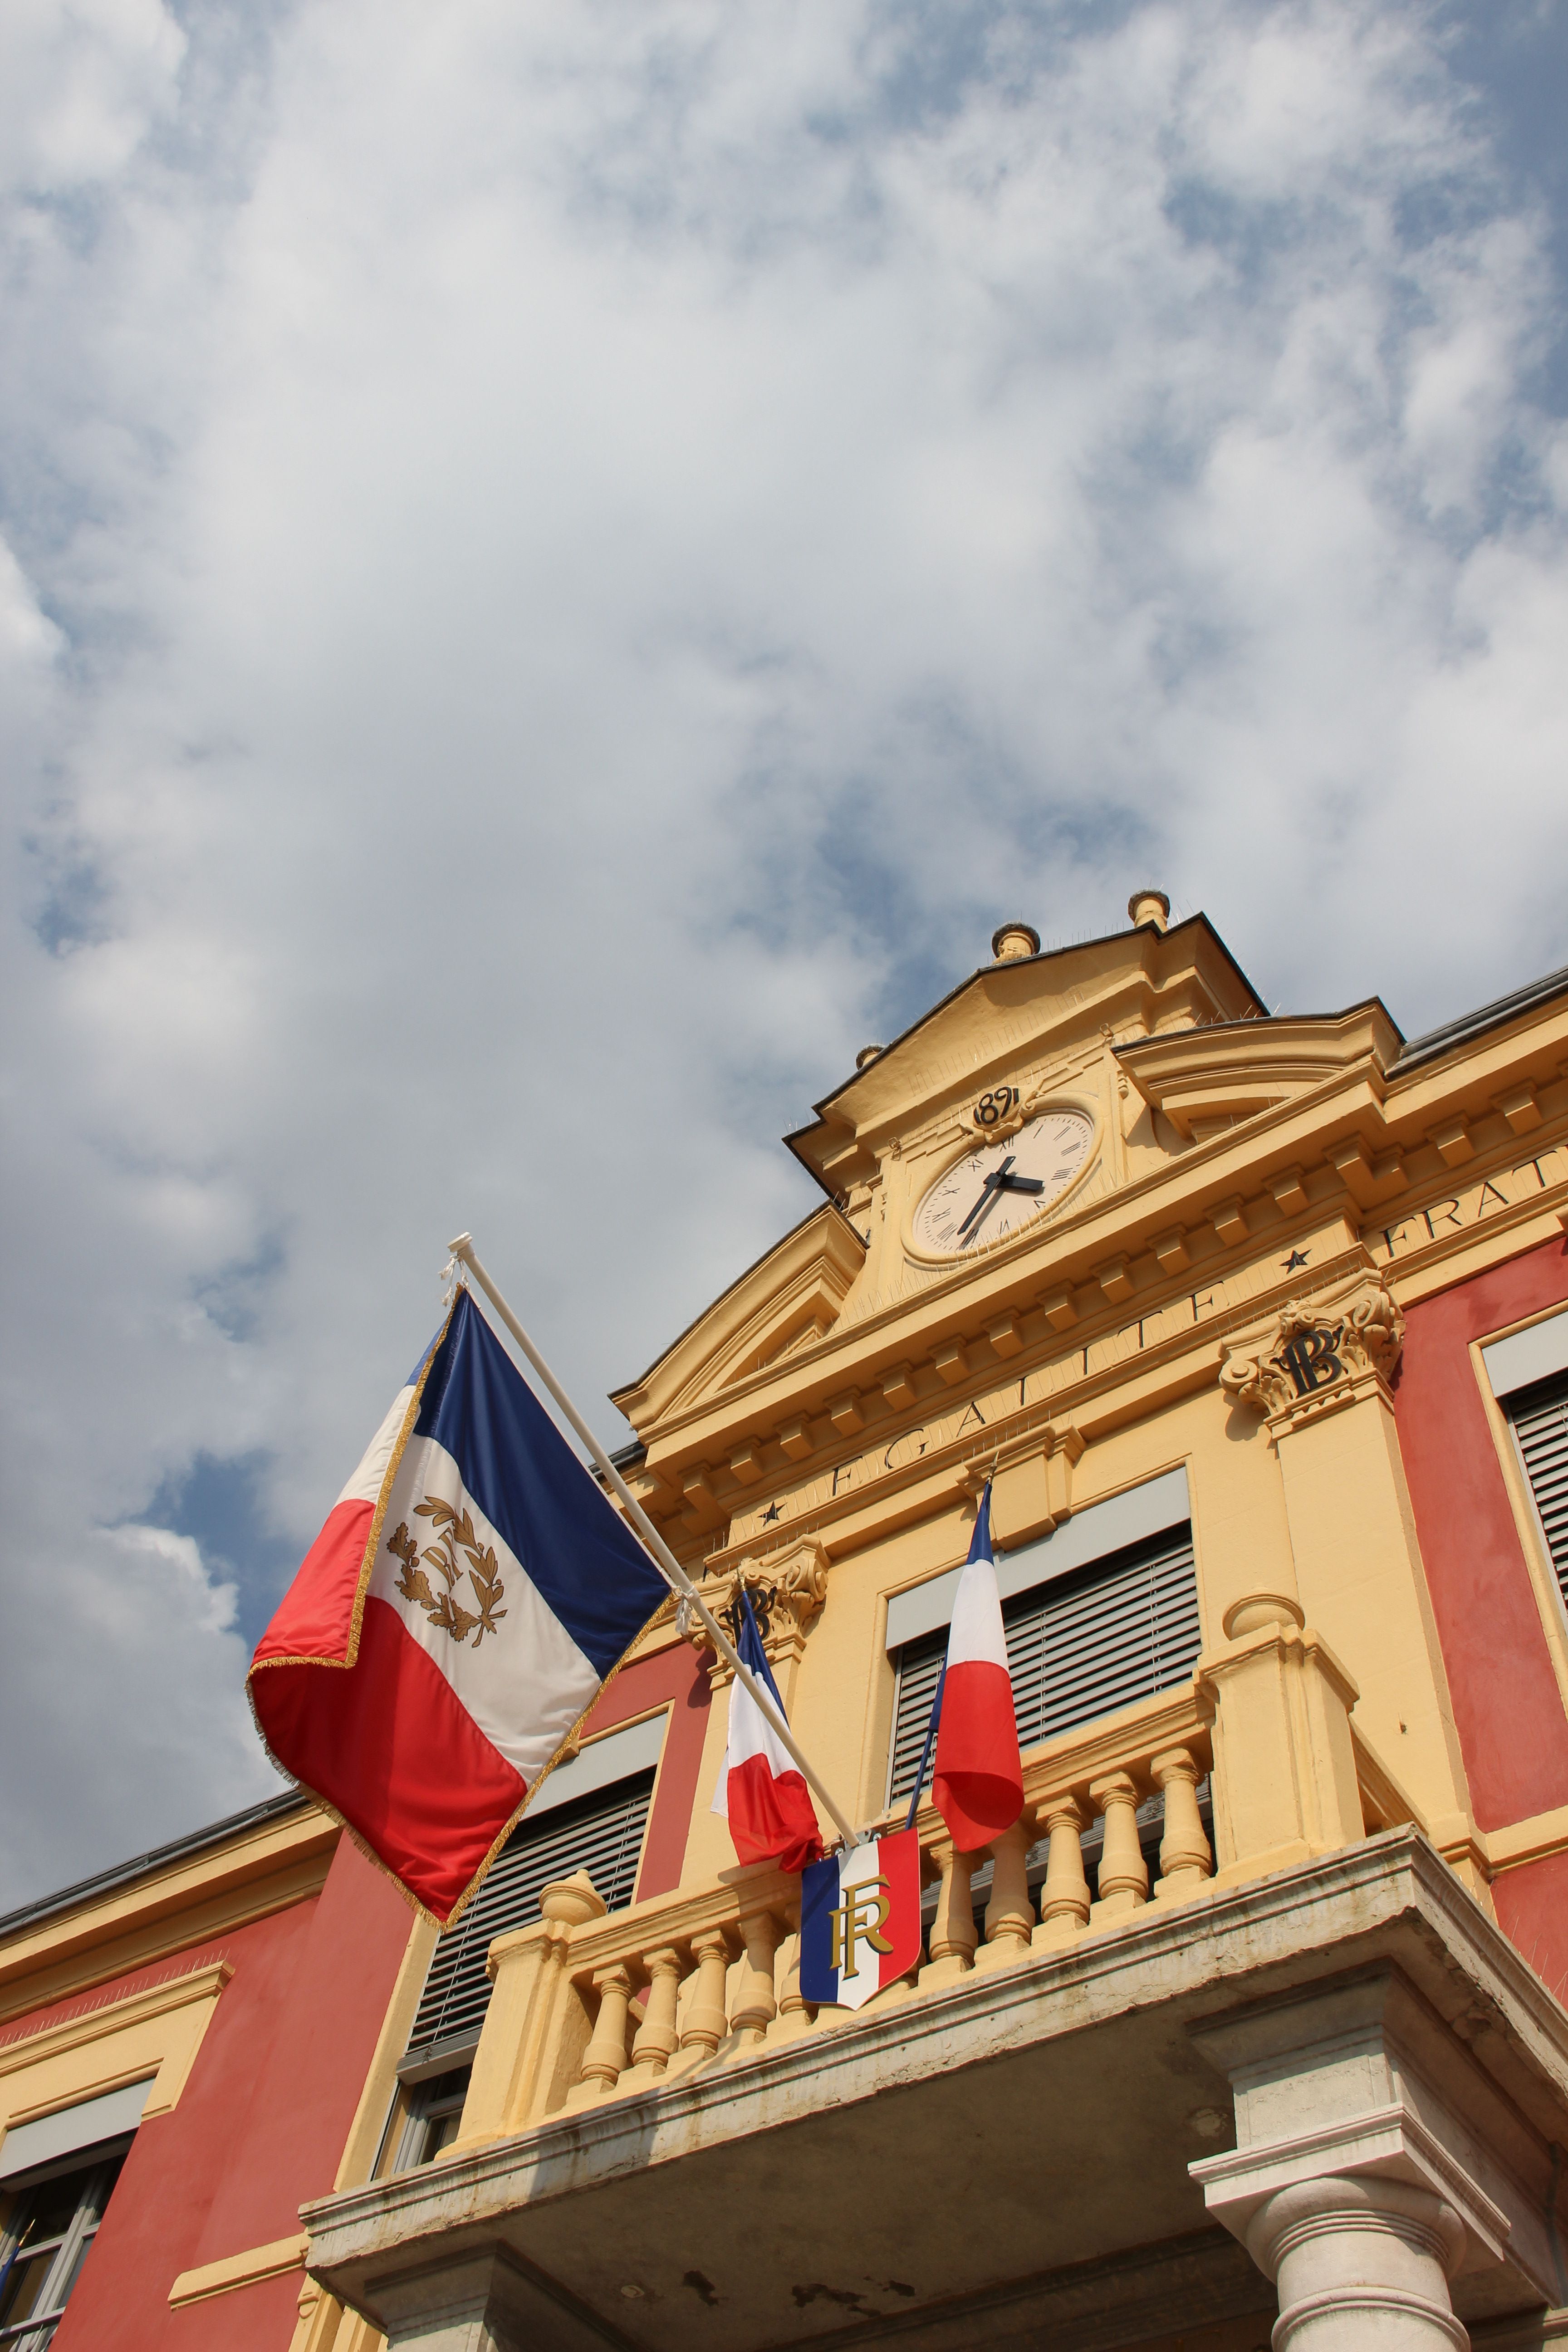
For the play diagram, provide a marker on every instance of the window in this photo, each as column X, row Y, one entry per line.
column 44, row 2244
column 434, row 2111
column 1539, row 1418
column 1117, row 1629
column 601, row 1833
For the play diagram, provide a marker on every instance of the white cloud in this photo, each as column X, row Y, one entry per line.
column 589, row 554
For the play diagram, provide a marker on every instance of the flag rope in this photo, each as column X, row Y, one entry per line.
column 663, row 1559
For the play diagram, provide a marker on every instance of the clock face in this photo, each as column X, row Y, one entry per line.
column 999, row 1188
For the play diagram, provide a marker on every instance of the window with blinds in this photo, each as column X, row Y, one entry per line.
column 1539, row 1418
column 1116, row 1631
column 601, row 1833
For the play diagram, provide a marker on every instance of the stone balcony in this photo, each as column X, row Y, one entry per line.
column 1090, row 2119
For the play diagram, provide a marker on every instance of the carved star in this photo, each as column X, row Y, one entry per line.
column 770, row 1515
column 1297, row 1257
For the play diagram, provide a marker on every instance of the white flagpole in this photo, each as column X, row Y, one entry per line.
column 664, row 1559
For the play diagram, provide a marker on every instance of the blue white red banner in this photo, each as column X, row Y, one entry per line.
column 860, row 1920
column 453, row 1622
column 762, row 1789
column 978, row 1783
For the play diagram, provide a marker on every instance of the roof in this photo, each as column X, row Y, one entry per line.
column 1485, row 1017
column 287, row 1801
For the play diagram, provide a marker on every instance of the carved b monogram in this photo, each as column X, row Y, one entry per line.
column 1312, row 1360
column 1309, row 1347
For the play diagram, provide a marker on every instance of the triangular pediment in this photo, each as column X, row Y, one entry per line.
column 781, row 1307
column 1032, row 1013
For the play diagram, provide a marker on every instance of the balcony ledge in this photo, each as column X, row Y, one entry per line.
column 826, row 2159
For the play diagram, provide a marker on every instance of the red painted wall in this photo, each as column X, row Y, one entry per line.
column 678, row 1678
column 1512, row 1727
column 260, row 2126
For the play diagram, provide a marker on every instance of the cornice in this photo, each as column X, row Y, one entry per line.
column 1131, row 1213
column 140, row 1921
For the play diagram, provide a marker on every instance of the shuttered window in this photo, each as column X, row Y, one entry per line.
column 1540, row 1417
column 1118, row 1630
column 601, row 1833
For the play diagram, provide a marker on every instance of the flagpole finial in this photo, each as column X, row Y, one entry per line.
column 463, row 1247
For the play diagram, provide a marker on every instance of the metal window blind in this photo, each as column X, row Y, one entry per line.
column 1118, row 1630
column 602, row 1834
column 1540, row 1417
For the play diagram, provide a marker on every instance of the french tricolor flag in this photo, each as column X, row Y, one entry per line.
column 760, row 1787
column 453, row 1622
column 978, row 1785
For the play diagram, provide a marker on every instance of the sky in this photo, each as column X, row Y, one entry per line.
column 561, row 570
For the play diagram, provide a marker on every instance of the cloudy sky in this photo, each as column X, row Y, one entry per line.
column 561, row 568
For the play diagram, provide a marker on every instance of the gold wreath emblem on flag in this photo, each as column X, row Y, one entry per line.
column 453, row 1531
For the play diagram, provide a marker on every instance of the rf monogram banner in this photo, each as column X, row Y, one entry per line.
column 860, row 1920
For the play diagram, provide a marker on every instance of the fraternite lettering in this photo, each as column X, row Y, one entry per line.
column 1456, row 1210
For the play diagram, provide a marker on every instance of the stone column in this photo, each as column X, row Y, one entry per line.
column 1361, row 2262
column 1353, row 2183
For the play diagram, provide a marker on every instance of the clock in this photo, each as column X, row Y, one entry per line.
column 999, row 1188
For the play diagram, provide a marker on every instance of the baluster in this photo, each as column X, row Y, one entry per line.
column 1065, row 1897
column 1123, row 1873
column 1009, row 1914
column 604, row 2059
column 654, row 2044
column 952, row 1931
column 706, row 2023
column 756, row 2006
column 1184, row 1857
column 795, row 2016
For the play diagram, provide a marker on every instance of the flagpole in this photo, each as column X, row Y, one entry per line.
column 664, row 1559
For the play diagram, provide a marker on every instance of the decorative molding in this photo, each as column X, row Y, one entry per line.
column 787, row 1593
column 155, row 2030
column 258, row 2263
column 1313, row 1348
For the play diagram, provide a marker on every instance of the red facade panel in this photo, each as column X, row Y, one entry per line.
column 1507, row 1703
column 260, row 2126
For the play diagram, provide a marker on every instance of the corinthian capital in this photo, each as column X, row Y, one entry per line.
column 1313, row 1346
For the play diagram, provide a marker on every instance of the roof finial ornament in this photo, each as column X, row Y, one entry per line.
column 1012, row 942
column 1149, row 906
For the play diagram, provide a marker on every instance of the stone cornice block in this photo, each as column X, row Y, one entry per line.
column 898, row 1387
column 1452, row 1142
column 844, row 1411
column 1170, row 1250
column 795, row 1436
column 1005, row 1335
column 1115, row 1279
column 1290, row 1191
column 746, row 1463
column 1228, row 1219
column 1057, row 1307
column 952, row 1361
column 1519, row 1106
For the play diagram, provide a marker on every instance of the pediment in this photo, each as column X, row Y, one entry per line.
column 1205, row 1079
column 1026, row 1011
column 781, row 1307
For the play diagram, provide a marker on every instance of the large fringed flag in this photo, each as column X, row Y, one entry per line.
column 978, row 1785
column 760, row 1787
column 453, row 1622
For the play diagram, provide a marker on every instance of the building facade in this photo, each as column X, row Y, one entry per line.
column 1254, row 2022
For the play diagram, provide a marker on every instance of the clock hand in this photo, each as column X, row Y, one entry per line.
column 988, row 1192
column 1020, row 1185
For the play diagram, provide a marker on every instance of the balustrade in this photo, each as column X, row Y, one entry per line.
column 601, row 2007
column 588, row 2008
